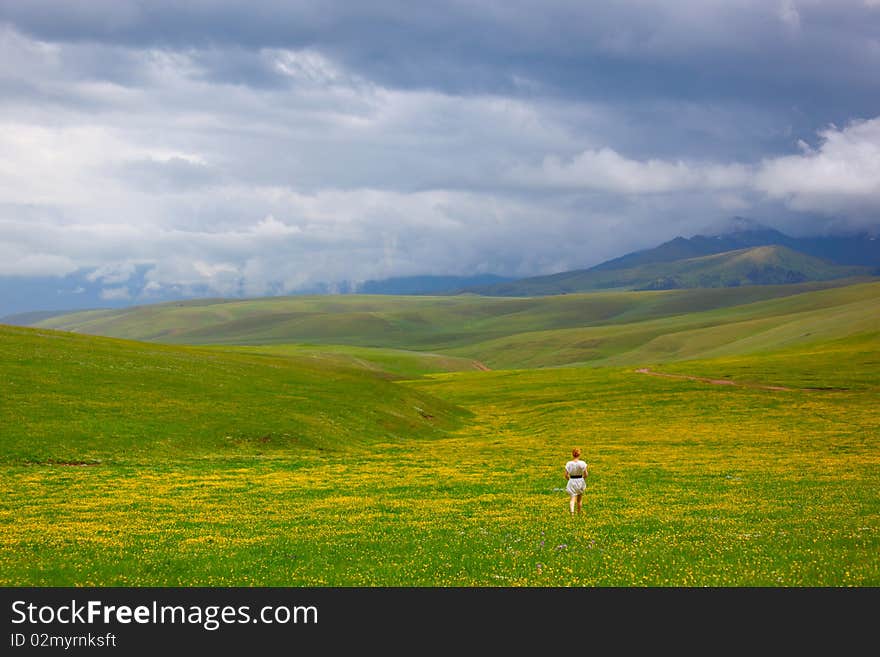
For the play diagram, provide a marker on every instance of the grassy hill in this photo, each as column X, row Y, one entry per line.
column 760, row 265
column 28, row 319
column 851, row 363
column 414, row 323
column 451, row 333
column 71, row 399
column 388, row 363
column 751, row 328
column 757, row 328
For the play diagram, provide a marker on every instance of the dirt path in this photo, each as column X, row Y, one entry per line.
column 481, row 366
column 717, row 382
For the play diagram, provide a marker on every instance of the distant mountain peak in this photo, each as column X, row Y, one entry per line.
column 752, row 254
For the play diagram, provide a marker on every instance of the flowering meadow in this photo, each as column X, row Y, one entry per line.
column 133, row 464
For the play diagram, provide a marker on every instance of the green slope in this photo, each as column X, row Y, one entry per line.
column 414, row 323
column 70, row 399
column 609, row 328
column 749, row 328
column 845, row 364
column 762, row 265
column 390, row 363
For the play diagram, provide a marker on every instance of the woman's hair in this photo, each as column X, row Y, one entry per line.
column 576, row 452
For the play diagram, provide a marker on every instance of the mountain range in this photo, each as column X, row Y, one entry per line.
column 754, row 255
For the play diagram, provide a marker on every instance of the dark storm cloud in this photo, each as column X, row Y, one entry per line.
column 775, row 51
column 779, row 68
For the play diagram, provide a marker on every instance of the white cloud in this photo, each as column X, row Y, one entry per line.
column 112, row 273
column 210, row 271
column 789, row 15
column 608, row 171
column 271, row 227
column 15, row 262
column 115, row 294
column 304, row 66
column 840, row 176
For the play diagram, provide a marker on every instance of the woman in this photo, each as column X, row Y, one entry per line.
column 575, row 471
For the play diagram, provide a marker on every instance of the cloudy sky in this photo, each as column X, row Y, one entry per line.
column 152, row 148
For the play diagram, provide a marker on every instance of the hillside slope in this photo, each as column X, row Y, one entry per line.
column 414, row 323
column 754, row 328
column 71, row 399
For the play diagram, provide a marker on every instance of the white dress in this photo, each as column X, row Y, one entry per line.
column 576, row 486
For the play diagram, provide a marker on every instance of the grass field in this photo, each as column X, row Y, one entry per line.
column 77, row 398
column 751, row 328
column 598, row 329
column 392, row 363
column 139, row 464
column 429, row 323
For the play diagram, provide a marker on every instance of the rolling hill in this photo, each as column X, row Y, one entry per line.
column 755, row 328
column 73, row 399
column 415, row 323
column 452, row 333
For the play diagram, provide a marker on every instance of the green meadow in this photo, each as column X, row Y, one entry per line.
column 378, row 451
column 436, row 323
